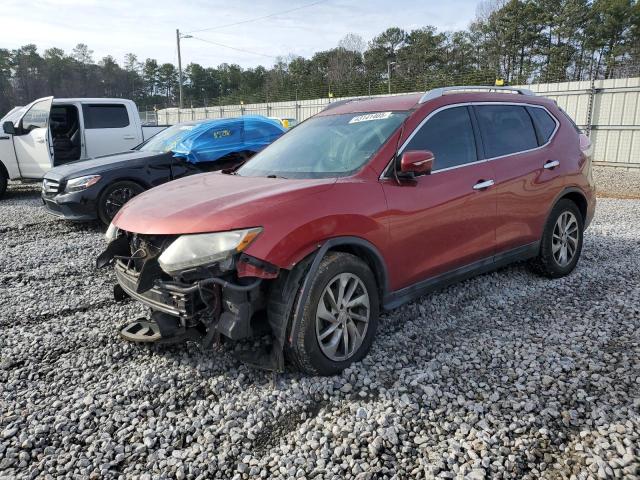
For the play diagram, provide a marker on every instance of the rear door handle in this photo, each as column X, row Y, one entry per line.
column 551, row 164
column 483, row 184
column 129, row 137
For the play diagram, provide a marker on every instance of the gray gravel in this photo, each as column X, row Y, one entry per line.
column 504, row 376
column 617, row 182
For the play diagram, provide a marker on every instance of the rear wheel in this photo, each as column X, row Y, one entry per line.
column 561, row 242
column 340, row 317
column 114, row 197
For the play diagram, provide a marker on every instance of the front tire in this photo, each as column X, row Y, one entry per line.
column 561, row 242
column 340, row 317
column 114, row 197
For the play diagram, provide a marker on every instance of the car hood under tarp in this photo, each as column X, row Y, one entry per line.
column 213, row 202
column 214, row 139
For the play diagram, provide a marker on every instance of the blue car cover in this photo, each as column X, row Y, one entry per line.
column 213, row 139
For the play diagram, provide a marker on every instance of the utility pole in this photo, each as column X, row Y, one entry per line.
column 179, row 66
column 388, row 73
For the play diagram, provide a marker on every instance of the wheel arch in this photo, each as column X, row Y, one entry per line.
column 3, row 170
column 577, row 196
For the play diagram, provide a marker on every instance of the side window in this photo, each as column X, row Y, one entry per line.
column 37, row 116
column 105, row 116
column 505, row 129
column 449, row 135
column 546, row 124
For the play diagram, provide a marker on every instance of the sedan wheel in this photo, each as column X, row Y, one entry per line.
column 114, row 197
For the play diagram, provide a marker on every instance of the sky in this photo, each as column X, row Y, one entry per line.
column 148, row 28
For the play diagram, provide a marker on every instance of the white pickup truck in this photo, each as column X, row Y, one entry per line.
column 50, row 132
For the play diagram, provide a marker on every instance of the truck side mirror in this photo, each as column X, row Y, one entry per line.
column 9, row 127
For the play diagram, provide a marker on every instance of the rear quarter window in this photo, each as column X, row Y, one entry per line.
column 546, row 124
column 505, row 129
column 105, row 116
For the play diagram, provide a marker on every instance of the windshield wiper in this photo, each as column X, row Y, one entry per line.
column 276, row 176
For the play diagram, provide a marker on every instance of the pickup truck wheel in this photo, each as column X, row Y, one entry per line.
column 561, row 242
column 3, row 183
column 340, row 317
column 114, row 197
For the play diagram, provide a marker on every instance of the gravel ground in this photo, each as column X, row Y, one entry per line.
column 616, row 182
column 507, row 375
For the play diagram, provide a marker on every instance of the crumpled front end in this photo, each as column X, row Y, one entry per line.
column 222, row 299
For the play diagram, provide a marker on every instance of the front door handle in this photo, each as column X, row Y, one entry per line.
column 483, row 184
column 551, row 164
column 40, row 140
column 129, row 137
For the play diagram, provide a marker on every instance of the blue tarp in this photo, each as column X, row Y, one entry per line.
column 213, row 139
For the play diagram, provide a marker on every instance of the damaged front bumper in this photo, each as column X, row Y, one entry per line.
column 203, row 305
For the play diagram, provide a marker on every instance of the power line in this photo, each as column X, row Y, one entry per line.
column 233, row 48
column 259, row 18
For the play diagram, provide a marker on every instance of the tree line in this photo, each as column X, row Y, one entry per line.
column 520, row 41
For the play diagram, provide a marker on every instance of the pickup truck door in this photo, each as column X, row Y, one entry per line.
column 109, row 128
column 32, row 142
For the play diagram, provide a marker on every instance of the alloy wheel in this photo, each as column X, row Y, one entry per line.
column 342, row 317
column 565, row 238
column 117, row 199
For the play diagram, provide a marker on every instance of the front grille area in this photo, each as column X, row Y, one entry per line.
column 50, row 187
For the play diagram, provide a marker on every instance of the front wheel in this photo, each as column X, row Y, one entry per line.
column 561, row 242
column 114, row 197
column 340, row 317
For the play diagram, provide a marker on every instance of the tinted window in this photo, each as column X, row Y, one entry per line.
column 449, row 135
column 505, row 129
column 546, row 124
column 105, row 116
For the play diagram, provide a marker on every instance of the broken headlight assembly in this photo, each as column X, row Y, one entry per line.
column 198, row 250
column 112, row 233
column 81, row 183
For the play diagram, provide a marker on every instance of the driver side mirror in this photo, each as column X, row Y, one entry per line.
column 416, row 162
column 9, row 127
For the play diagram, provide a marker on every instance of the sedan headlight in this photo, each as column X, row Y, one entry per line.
column 81, row 183
column 190, row 251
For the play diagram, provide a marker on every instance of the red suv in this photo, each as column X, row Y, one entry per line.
column 363, row 207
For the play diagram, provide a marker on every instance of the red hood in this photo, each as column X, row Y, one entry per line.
column 212, row 202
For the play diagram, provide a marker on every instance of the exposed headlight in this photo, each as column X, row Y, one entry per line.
column 190, row 251
column 81, row 183
column 112, row 233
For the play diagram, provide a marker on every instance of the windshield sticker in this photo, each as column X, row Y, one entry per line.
column 370, row 116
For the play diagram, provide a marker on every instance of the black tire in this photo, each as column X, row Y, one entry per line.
column 114, row 194
column 3, row 183
column 304, row 351
column 546, row 263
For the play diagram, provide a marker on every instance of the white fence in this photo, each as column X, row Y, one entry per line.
column 609, row 110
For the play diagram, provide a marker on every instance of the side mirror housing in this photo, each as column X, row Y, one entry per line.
column 9, row 127
column 416, row 162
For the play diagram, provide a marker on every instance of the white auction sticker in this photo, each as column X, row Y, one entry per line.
column 370, row 116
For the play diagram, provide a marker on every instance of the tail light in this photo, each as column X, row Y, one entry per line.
column 585, row 145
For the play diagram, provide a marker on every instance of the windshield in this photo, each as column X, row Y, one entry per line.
column 321, row 147
column 167, row 139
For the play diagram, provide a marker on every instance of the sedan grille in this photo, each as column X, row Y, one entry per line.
column 50, row 187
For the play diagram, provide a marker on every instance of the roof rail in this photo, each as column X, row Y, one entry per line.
column 439, row 92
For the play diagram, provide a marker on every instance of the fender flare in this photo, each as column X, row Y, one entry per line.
column 380, row 272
